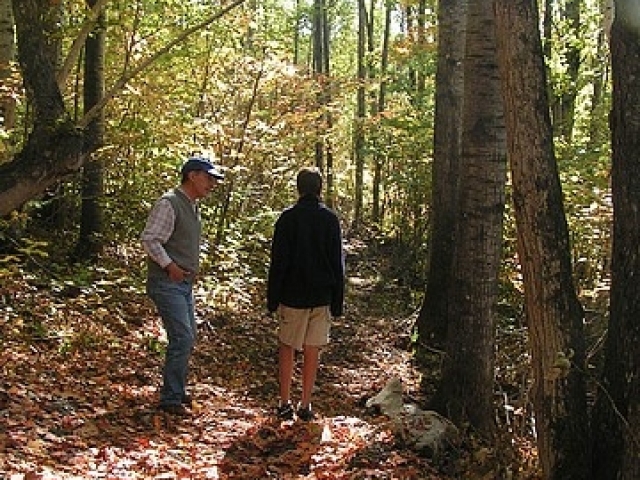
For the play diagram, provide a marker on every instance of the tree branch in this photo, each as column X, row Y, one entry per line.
column 126, row 77
column 78, row 43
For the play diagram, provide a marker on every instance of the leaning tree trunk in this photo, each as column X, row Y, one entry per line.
column 54, row 147
column 554, row 315
column 465, row 391
column 616, row 417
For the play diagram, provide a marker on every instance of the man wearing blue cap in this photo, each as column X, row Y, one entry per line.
column 171, row 239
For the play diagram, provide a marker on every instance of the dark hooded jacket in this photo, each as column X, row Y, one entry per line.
column 307, row 262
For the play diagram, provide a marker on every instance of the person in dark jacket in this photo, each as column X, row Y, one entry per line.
column 305, row 286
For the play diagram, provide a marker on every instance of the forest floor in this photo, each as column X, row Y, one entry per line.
column 80, row 368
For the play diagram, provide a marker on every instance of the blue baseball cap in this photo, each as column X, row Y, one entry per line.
column 202, row 164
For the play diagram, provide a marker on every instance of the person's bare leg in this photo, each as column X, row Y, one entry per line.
column 309, row 372
column 285, row 371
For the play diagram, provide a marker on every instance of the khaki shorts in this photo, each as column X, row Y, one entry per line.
column 304, row 326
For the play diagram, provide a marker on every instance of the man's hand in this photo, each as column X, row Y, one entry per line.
column 177, row 273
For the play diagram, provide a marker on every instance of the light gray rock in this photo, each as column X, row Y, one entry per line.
column 425, row 431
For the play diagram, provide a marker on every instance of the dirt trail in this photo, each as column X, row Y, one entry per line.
column 80, row 372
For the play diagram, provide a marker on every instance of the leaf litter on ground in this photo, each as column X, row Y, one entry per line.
column 80, row 377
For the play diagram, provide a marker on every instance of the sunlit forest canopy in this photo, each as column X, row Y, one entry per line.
column 102, row 101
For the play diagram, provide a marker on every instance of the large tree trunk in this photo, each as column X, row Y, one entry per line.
column 554, row 315
column 433, row 319
column 616, row 417
column 465, row 391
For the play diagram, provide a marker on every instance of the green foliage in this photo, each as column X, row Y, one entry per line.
column 585, row 177
column 230, row 91
column 584, row 160
column 156, row 346
column 11, row 229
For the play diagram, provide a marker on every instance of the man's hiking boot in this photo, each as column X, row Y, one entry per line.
column 285, row 411
column 305, row 413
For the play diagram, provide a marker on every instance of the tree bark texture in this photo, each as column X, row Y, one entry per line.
column 465, row 392
column 554, row 315
column 432, row 320
column 616, row 417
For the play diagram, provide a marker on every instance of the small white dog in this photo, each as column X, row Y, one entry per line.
column 425, row 431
